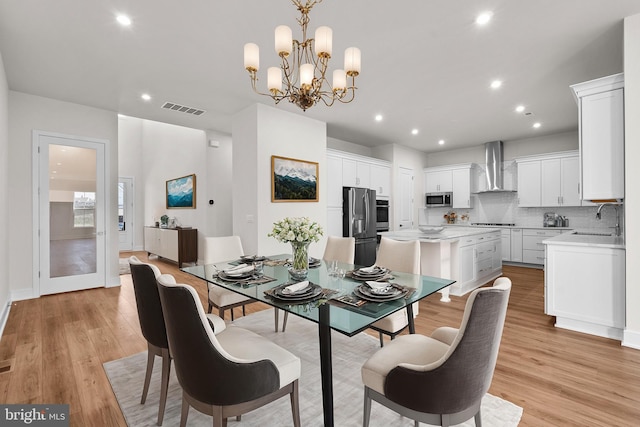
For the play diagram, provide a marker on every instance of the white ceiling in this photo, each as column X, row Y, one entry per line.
column 425, row 63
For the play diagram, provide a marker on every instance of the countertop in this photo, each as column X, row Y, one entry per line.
column 573, row 239
column 449, row 233
column 528, row 227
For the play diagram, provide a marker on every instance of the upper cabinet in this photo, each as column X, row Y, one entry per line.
column 549, row 180
column 438, row 180
column 601, row 128
column 349, row 170
column 334, row 181
column 461, row 186
column 381, row 180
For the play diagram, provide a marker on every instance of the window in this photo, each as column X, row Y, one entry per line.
column 84, row 204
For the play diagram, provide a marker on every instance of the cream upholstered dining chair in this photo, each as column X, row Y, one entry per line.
column 441, row 380
column 228, row 373
column 341, row 249
column 403, row 257
column 151, row 320
column 218, row 249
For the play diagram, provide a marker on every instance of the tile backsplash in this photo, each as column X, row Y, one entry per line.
column 503, row 208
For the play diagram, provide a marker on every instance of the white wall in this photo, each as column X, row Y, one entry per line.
column 632, row 176
column 4, row 196
column 349, row 147
column 259, row 132
column 26, row 114
column 153, row 152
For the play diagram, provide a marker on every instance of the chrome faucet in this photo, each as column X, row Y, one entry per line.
column 599, row 215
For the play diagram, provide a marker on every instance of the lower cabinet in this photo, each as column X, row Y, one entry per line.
column 506, row 244
column 532, row 247
column 175, row 244
column 477, row 260
column 585, row 288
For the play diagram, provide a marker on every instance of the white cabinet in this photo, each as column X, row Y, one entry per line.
column 467, row 268
column 516, row 244
column 381, row 180
column 177, row 244
column 356, row 173
column 461, row 186
column 437, row 181
column 506, row 244
column 476, row 260
column 585, row 288
column 601, row 130
column 532, row 247
column 529, row 184
column 549, row 180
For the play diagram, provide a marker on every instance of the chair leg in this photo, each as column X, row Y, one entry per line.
column 221, row 313
column 243, row 312
column 276, row 314
column 210, row 307
column 295, row 405
column 416, row 423
column 381, row 339
column 184, row 413
column 147, row 378
column 366, row 415
column 284, row 321
column 164, row 387
column 478, row 419
column 231, row 310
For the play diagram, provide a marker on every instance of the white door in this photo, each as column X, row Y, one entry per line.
column 69, row 213
column 125, row 213
column 405, row 207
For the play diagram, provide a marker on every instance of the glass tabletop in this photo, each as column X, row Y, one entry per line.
column 342, row 317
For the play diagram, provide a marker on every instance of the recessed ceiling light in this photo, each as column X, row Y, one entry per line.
column 496, row 84
column 519, row 108
column 59, row 164
column 146, row 97
column 414, row 131
column 378, row 117
column 536, row 125
column 54, row 171
column 484, row 18
column 441, row 142
column 124, row 20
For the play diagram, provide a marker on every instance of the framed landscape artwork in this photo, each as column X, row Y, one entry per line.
column 181, row 192
column 293, row 180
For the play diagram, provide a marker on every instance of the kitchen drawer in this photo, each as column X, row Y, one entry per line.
column 484, row 267
column 533, row 243
column 542, row 233
column 468, row 240
column 532, row 256
column 484, row 251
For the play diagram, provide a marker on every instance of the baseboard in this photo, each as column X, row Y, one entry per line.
column 589, row 328
column 631, row 339
column 4, row 316
column 22, row 294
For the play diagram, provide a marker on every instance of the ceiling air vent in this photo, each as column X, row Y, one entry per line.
column 183, row 109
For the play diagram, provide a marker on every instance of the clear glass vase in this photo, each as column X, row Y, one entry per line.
column 300, row 262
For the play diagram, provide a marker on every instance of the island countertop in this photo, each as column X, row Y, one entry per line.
column 448, row 233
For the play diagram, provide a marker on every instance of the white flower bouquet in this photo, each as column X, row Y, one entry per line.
column 290, row 230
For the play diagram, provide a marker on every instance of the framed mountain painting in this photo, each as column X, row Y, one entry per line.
column 181, row 192
column 293, row 180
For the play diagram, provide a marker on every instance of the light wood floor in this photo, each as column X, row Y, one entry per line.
column 56, row 345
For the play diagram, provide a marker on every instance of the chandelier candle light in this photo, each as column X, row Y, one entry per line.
column 304, row 66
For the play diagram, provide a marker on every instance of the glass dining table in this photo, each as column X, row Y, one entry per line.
column 326, row 310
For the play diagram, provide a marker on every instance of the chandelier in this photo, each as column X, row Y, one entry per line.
column 302, row 75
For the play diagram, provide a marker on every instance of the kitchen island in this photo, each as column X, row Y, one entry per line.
column 585, row 282
column 472, row 256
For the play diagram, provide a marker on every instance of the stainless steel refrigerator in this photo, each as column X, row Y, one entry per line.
column 359, row 221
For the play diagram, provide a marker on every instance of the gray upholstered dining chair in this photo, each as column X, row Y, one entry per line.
column 341, row 249
column 218, row 249
column 152, row 324
column 441, row 380
column 403, row 257
column 225, row 374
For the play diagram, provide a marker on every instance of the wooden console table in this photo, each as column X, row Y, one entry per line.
column 176, row 244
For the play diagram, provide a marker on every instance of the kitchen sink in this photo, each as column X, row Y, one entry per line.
column 591, row 233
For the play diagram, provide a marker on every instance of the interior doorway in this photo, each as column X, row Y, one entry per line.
column 69, row 213
column 125, row 213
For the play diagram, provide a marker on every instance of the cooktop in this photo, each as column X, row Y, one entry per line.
column 503, row 224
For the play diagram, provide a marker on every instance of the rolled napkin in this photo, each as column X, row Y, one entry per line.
column 292, row 289
column 239, row 269
column 371, row 269
column 377, row 285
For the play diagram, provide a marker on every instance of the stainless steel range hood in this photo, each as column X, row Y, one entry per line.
column 494, row 168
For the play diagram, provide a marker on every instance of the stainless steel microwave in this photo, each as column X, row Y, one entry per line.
column 439, row 200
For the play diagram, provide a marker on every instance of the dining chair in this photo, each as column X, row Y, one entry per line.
column 218, row 249
column 401, row 256
column 227, row 374
column 441, row 380
column 341, row 249
column 152, row 324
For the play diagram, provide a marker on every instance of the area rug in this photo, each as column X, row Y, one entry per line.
column 124, row 266
column 301, row 338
